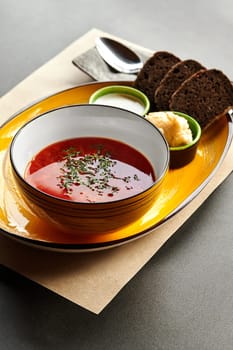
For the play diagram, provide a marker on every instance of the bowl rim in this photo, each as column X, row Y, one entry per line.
column 127, row 90
column 194, row 125
column 89, row 204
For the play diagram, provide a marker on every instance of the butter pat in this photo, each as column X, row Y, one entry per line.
column 175, row 128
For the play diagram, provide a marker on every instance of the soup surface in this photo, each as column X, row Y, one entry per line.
column 90, row 169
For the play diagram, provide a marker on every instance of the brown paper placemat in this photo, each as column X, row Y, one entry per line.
column 91, row 280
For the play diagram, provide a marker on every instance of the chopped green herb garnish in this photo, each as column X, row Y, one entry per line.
column 91, row 170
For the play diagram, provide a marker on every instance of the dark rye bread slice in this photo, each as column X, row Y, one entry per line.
column 205, row 95
column 153, row 71
column 172, row 80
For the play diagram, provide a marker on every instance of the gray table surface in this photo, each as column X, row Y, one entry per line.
column 183, row 298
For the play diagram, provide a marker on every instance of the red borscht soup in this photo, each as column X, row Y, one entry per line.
column 90, row 169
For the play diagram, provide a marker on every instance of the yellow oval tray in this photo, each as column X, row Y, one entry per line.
column 179, row 188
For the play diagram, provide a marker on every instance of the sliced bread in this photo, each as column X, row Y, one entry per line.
column 172, row 80
column 205, row 95
column 153, row 71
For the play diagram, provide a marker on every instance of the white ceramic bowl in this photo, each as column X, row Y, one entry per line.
column 80, row 121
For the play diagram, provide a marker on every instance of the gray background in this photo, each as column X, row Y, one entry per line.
column 183, row 298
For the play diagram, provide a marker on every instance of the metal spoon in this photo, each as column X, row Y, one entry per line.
column 118, row 56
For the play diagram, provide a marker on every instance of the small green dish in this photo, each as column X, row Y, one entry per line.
column 182, row 155
column 122, row 96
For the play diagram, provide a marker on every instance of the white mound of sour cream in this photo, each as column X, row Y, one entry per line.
column 125, row 101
